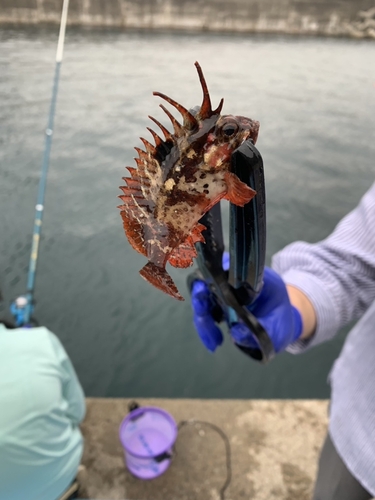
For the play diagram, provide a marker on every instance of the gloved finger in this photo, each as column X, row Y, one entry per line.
column 272, row 294
column 226, row 261
column 243, row 336
column 201, row 298
column 209, row 333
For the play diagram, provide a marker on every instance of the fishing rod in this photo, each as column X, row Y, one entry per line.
column 23, row 306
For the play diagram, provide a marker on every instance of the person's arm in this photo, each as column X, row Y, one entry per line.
column 335, row 276
column 299, row 300
column 312, row 290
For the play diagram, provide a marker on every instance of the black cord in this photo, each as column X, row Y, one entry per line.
column 222, row 434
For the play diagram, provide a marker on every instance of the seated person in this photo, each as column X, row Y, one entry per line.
column 41, row 406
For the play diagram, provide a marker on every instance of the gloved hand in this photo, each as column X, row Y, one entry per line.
column 272, row 308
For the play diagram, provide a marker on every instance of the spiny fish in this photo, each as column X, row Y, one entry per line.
column 178, row 180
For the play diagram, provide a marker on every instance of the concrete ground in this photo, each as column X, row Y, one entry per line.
column 274, row 447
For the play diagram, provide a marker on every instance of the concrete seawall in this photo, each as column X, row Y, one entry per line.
column 273, row 449
column 300, row 17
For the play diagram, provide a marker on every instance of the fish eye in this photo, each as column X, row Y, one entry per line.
column 230, row 129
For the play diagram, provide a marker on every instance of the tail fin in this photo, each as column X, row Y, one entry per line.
column 159, row 277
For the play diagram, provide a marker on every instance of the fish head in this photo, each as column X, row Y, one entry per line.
column 204, row 141
column 228, row 134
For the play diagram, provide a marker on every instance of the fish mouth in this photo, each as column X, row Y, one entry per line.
column 253, row 130
column 250, row 128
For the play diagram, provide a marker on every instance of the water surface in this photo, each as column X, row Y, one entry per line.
column 315, row 100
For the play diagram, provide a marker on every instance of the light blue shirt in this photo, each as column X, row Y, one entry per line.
column 41, row 406
column 338, row 276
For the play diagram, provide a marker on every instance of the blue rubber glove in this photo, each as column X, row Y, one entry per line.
column 272, row 308
column 203, row 304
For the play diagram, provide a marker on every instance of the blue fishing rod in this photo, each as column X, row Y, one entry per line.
column 23, row 306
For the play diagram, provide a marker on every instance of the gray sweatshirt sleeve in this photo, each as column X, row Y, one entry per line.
column 336, row 274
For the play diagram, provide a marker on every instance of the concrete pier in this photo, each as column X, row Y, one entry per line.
column 274, row 446
column 354, row 18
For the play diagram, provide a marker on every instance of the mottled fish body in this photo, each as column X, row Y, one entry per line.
column 177, row 181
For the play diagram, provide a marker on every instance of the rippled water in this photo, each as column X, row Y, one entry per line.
column 315, row 99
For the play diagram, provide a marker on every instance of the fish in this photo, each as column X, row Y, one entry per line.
column 177, row 180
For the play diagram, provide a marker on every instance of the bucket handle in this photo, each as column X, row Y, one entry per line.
column 162, row 457
column 133, row 405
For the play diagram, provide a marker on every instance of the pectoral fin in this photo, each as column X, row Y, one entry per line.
column 238, row 192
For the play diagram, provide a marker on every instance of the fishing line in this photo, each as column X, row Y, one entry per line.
column 23, row 306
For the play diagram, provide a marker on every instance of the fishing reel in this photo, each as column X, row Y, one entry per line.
column 22, row 309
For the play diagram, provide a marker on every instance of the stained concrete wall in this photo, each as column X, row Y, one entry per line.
column 318, row 17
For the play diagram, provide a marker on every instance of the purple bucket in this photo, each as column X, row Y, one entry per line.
column 147, row 435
